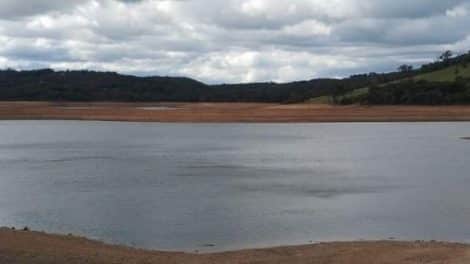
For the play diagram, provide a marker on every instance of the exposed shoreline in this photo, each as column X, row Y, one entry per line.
column 37, row 248
column 228, row 112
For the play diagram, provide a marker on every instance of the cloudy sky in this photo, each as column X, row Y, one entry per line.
column 232, row 40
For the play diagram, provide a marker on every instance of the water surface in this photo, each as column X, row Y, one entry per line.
column 187, row 186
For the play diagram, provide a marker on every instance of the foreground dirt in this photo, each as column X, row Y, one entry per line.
column 228, row 112
column 38, row 248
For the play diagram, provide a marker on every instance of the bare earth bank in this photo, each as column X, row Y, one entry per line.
column 228, row 112
column 39, row 248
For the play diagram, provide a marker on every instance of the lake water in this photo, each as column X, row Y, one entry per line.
column 185, row 186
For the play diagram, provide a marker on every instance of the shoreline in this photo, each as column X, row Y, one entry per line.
column 228, row 112
column 37, row 247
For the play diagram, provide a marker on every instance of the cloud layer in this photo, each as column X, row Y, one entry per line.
column 233, row 40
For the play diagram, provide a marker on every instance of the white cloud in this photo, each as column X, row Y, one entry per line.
column 459, row 11
column 230, row 41
column 308, row 28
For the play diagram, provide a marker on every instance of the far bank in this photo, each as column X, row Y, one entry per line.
column 228, row 112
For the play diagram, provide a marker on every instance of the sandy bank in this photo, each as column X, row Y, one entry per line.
column 228, row 112
column 38, row 248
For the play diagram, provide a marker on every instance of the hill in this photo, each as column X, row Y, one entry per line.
column 49, row 85
column 442, row 82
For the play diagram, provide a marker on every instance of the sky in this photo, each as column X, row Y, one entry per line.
column 231, row 41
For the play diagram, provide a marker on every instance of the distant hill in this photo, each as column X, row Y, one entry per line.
column 442, row 82
column 49, row 85
column 94, row 86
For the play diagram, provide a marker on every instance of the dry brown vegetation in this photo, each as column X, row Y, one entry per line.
column 228, row 112
column 38, row 248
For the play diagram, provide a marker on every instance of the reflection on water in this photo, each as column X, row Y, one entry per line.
column 184, row 186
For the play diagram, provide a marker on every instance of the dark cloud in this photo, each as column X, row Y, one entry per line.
column 15, row 8
column 409, row 9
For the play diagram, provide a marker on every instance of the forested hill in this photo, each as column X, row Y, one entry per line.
column 95, row 86
column 49, row 85
column 444, row 82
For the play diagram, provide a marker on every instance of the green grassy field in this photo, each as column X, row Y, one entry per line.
column 321, row 100
column 449, row 74
column 329, row 99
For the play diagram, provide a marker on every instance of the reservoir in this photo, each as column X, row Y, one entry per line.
column 214, row 187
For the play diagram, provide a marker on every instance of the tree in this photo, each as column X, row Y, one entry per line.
column 405, row 68
column 338, row 92
column 466, row 60
column 446, row 55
